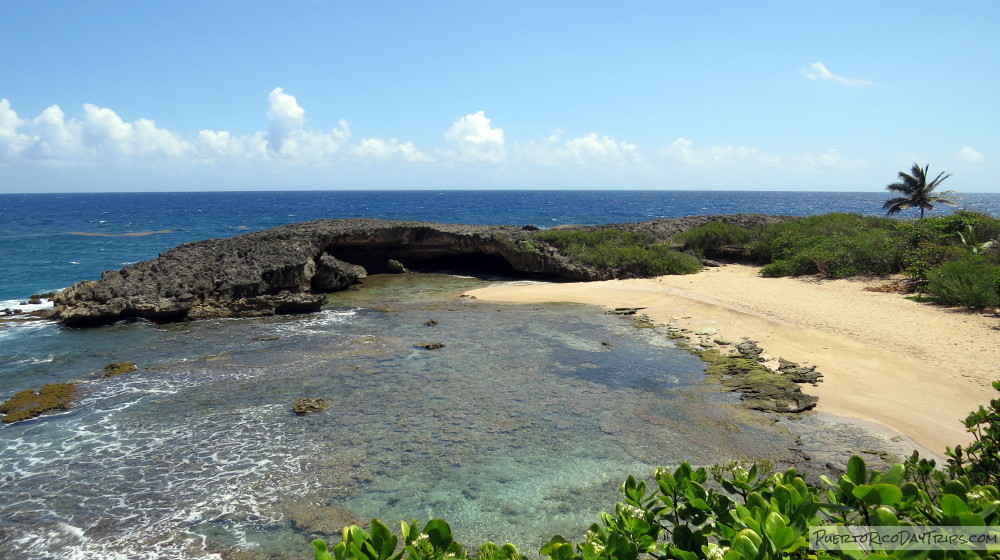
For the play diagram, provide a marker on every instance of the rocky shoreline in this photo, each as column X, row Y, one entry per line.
column 289, row 269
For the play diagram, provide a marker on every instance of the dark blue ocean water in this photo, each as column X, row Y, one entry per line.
column 49, row 241
column 521, row 427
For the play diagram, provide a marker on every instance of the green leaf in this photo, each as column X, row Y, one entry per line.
column 320, row 551
column 970, row 520
column 383, row 541
column 772, row 524
column 783, row 538
column 549, row 548
column 857, row 472
column 509, row 551
column 910, row 490
column 894, row 475
column 955, row 487
column 879, row 494
column 756, row 501
column 745, row 546
column 884, row 517
column 952, row 505
column 488, row 551
column 405, row 529
column 439, row 533
column 700, row 504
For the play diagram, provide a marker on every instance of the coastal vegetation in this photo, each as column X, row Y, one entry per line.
column 951, row 258
column 629, row 253
column 748, row 512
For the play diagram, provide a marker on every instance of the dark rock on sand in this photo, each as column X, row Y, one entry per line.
column 749, row 349
column 760, row 388
column 798, row 374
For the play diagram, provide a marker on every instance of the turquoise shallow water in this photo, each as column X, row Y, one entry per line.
column 522, row 426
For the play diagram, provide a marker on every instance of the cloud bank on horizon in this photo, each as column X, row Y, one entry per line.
column 100, row 137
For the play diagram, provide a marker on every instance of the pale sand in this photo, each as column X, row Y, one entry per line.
column 912, row 368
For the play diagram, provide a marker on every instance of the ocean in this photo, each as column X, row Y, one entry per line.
column 521, row 427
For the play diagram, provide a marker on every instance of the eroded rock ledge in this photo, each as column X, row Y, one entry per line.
column 288, row 269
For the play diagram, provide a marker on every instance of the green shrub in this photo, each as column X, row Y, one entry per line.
column 971, row 282
column 709, row 238
column 944, row 230
column 627, row 253
column 839, row 254
column 799, row 265
column 980, row 460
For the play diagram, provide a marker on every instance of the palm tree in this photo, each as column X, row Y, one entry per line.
column 917, row 192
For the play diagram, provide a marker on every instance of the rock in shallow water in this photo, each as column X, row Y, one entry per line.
column 306, row 405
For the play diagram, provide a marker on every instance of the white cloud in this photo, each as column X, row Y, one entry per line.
column 969, row 155
column 11, row 141
column 103, row 132
column 379, row 149
column 819, row 71
column 54, row 137
column 284, row 117
column 686, row 153
column 287, row 138
column 476, row 140
column 583, row 150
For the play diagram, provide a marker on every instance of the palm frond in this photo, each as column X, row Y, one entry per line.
column 917, row 191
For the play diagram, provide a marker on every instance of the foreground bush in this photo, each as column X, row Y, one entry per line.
column 971, row 282
column 757, row 516
column 632, row 254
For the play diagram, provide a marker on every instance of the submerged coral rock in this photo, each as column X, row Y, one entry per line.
column 118, row 368
column 306, row 405
column 29, row 404
column 321, row 519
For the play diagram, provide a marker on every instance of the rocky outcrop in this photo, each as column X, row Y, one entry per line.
column 288, row 269
column 305, row 405
column 29, row 403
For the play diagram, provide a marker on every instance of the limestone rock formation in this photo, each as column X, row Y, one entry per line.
column 288, row 269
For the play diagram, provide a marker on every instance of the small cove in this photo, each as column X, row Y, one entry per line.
column 521, row 426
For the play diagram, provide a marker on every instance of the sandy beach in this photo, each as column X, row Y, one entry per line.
column 911, row 368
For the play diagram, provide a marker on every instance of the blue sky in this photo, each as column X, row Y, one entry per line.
column 241, row 95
